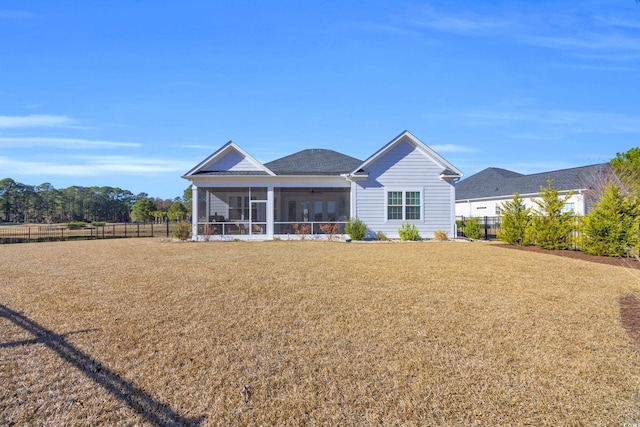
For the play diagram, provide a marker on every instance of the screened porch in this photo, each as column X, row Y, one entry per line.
column 262, row 212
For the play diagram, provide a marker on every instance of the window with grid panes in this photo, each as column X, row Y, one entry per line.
column 403, row 205
column 394, row 205
column 412, row 205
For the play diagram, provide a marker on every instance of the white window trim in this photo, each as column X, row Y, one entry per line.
column 404, row 190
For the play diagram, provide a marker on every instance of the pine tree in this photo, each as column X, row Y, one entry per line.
column 514, row 220
column 612, row 225
column 551, row 228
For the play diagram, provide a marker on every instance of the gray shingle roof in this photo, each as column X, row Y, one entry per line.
column 314, row 162
column 494, row 182
column 230, row 173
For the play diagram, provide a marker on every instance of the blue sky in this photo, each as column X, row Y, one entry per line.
column 132, row 94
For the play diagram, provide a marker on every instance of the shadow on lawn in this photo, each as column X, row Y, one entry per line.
column 152, row 410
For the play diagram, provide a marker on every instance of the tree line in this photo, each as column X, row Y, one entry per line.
column 45, row 204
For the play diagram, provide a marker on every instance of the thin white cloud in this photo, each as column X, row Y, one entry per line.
column 452, row 148
column 15, row 14
column 589, row 42
column 459, row 23
column 568, row 121
column 197, row 147
column 535, row 137
column 63, row 143
column 621, row 23
column 94, row 166
column 34, row 120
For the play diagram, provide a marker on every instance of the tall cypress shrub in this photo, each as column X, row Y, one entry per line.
column 551, row 228
column 611, row 228
column 514, row 220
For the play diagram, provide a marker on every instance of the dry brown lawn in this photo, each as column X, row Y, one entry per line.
column 146, row 332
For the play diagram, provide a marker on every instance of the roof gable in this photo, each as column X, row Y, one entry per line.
column 230, row 159
column 314, row 162
column 494, row 182
column 449, row 171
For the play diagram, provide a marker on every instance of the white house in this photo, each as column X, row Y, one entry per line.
column 482, row 194
column 236, row 196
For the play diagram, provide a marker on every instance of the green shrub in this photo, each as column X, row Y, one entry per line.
column 472, row 229
column 408, row 232
column 440, row 235
column 76, row 224
column 182, row 230
column 356, row 229
column 98, row 223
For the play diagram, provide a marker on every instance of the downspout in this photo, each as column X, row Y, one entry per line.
column 353, row 211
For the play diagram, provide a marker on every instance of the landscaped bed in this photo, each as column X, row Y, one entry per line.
column 143, row 331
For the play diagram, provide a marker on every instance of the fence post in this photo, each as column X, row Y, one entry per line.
column 138, row 224
column 486, row 229
column 167, row 228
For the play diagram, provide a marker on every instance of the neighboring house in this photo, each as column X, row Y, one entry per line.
column 236, row 196
column 482, row 194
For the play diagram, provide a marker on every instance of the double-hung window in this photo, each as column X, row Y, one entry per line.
column 404, row 205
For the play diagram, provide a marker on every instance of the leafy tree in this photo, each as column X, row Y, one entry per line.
column 142, row 210
column 551, row 228
column 158, row 216
column 177, row 211
column 514, row 219
column 612, row 225
column 187, row 197
column 627, row 168
column 7, row 197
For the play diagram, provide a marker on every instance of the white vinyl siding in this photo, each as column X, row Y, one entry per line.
column 405, row 168
column 233, row 162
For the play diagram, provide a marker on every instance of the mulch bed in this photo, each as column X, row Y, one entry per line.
column 622, row 262
column 630, row 316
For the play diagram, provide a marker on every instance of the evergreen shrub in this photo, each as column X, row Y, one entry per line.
column 181, row 230
column 356, row 229
column 472, row 229
column 408, row 232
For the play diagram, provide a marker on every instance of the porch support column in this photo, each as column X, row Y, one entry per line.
column 353, row 208
column 194, row 212
column 270, row 209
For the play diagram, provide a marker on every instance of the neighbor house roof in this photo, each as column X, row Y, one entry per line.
column 495, row 182
column 314, row 161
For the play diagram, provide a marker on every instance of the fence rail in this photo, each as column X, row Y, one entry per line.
column 489, row 226
column 60, row 232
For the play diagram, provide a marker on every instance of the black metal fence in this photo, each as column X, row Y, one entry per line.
column 489, row 225
column 60, row 232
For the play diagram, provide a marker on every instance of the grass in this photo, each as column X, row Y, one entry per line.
column 140, row 331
